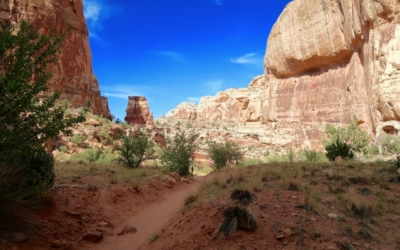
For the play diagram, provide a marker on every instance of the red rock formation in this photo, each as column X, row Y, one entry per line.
column 137, row 111
column 73, row 76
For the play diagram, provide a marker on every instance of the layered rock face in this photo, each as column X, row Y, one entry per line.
column 73, row 76
column 241, row 105
column 327, row 61
column 137, row 112
column 139, row 115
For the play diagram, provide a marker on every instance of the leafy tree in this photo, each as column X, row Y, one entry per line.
column 353, row 135
column 224, row 154
column 134, row 151
column 178, row 153
column 27, row 119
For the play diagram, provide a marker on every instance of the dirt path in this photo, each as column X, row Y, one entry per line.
column 150, row 220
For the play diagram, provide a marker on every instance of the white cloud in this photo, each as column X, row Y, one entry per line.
column 96, row 11
column 218, row 2
column 194, row 99
column 92, row 10
column 176, row 56
column 121, row 91
column 249, row 58
column 214, row 86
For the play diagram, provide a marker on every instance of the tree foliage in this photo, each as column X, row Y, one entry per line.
column 224, row 154
column 134, row 151
column 28, row 119
column 177, row 155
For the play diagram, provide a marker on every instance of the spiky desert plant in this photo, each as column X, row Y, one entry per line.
column 237, row 218
column 244, row 197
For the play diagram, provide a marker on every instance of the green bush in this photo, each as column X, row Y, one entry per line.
column 79, row 140
column 134, row 151
column 27, row 119
column 338, row 148
column 224, row 154
column 390, row 145
column 356, row 138
column 28, row 177
column 177, row 155
column 95, row 155
column 38, row 172
column 311, row 155
column 372, row 150
column 291, row 155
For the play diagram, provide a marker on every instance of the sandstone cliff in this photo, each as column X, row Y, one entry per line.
column 73, row 76
column 326, row 62
column 137, row 112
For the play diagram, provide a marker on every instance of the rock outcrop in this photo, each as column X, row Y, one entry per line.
column 326, row 62
column 329, row 61
column 137, row 112
column 73, row 76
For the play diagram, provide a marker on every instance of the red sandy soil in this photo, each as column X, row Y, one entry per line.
column 156, row 209
column 78, row 208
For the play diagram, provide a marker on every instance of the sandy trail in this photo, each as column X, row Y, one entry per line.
column 150, row 220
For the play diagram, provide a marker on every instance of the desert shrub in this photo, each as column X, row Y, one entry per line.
column 311, row 155
column 63, row 148
column 397, row 162
column 390, row 145
column 356, row 138
column 224, row 154
column 338, row 148
column 105, row 137
column 237, row 218
column 177, row 155
column 95, row 155
column 244, row 197
column 372, row 150
column 28, row 177
column 134, row 151
column 79, row 140
column 291, row 155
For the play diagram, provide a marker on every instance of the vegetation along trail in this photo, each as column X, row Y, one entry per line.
column 151, row 219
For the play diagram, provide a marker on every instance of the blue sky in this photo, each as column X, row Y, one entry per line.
column 171, row 51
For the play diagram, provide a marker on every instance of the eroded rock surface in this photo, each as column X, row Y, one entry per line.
column 326, row 62
column 73, row 76
column 138, row 111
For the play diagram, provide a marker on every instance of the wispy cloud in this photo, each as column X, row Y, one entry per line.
column 194, row 99
column 96, row 11
column 176, row 56
column 92, row 10
column 121, row 91
column 214, row 86
column 249, row 58
column 218, row 2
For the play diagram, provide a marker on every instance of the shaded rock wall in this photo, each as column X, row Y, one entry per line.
column 73, row 76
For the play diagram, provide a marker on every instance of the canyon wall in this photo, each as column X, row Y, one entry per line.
column 327, row 61
column 73, row 76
